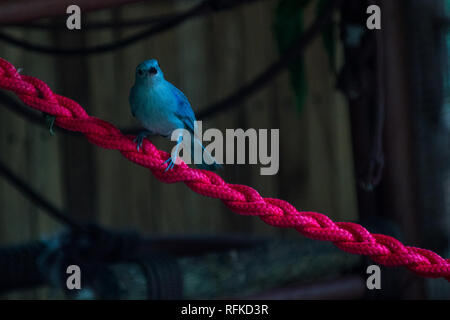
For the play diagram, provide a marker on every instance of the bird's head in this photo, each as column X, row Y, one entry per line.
column 148, row 72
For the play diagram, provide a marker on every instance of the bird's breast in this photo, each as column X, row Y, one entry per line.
column 154, row 107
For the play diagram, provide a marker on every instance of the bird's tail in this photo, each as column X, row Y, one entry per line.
column 208, row 161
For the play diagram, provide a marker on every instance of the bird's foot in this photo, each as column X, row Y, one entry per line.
column 140, row 138
column 172, row 160
column 50, row 120
column 171, row 164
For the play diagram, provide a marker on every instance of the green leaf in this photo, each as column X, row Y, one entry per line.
column 328, row 36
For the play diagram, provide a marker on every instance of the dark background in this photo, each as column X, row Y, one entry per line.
column 399, row 74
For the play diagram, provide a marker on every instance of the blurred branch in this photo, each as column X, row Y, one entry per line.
column 204, row 7
column 115, row 267
column 99, row 25
column 275, row 68
column 115, row 45
column 27, row 10
column 36, row 198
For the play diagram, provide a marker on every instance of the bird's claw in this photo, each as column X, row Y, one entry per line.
column 140, row 139
column 171, row 164
column 50, row 120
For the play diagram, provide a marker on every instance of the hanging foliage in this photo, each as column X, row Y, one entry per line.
column 289, row 26
column 328, row 36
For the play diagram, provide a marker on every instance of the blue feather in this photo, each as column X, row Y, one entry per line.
column 184, row 111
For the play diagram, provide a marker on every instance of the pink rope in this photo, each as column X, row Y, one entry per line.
column 241, row 199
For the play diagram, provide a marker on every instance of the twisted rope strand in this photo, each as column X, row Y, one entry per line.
column 349, row 237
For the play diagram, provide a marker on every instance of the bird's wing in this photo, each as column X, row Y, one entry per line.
column 184, row 111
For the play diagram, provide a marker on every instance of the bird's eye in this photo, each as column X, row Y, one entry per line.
column 140, row 72
column 152, row 70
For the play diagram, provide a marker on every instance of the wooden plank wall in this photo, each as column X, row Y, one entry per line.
column 207, row 58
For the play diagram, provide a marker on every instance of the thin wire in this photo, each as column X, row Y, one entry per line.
column 36, row 198
column 18, row 108
column 98, row 25
column 200, row 9
column 115, row 45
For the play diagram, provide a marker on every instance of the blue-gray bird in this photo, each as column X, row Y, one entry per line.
column 162, row 108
